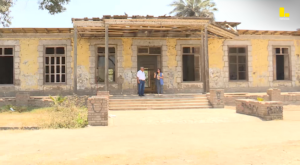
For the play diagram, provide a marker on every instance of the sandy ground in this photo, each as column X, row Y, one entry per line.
column 196, row 137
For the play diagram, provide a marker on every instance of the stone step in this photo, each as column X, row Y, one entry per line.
column 161, row 105
column 157, row 99
column 158, row 102
column 160, row 108
column 157, row 96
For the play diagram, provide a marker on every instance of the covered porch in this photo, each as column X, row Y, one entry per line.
column 122, row 44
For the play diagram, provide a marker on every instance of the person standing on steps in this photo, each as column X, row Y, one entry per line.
column 159, row 76
column 141, row 81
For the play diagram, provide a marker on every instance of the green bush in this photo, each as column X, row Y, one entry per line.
column 69, row 113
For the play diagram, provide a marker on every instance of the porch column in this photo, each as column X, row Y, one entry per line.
column 106, row 58
column 202, row 63
column 206, row 62
column 75, row 60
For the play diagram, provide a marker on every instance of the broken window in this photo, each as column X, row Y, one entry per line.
column 237, row 63
column 101, row 64
column 55, row 65
column 281, row 63
column 6, row 65
column 191, row 64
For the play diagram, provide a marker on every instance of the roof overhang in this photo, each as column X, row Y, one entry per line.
column 154, row 27
column 268, row 32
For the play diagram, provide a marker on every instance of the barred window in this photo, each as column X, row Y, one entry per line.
column 237, row 63
column 6, row 65
column 101, row 64
column 55, row 65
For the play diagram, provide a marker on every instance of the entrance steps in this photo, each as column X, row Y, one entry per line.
column 159, row 102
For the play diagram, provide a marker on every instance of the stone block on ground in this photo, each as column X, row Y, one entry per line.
column 267, row 110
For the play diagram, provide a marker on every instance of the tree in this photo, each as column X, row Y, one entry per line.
column 194, row 8
column 53, row 6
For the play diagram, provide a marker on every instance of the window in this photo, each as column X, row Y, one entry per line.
column 281, row 63
column 191, row 64
column 237, row 63
column 6, row 65
column 55, row 65
column 149, row 50
column 101, row 64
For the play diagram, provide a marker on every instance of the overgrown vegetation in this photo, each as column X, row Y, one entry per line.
column 68, row 112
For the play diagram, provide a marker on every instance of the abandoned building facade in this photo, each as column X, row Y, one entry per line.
column 194, row 54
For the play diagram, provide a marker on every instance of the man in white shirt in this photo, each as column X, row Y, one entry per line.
column 141, row 81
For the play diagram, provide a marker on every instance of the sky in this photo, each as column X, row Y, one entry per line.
column 253, row 14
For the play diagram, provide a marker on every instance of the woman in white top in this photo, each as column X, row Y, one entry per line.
column 159, row 81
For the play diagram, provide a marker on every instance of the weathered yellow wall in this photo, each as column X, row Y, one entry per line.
column 83, row 63
column 29, row 64
column 297, row 53
column 260, row 62
column 171, row 52
column 216, row 63
column 215, row 49
column 127, row 52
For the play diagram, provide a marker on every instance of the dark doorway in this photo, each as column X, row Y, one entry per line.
column 280, row 67
column 6, row 69
column 149, row 62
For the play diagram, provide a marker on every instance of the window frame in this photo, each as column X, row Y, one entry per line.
column 148, row 47
column 54, row 55
column 109, row 54
column 236, row 55
column 274, row 55
column 13, row 55
column 194, row 54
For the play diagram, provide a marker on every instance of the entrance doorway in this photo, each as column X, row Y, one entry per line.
column 150, row 59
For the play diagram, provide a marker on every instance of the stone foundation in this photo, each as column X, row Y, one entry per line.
column 98, row 107
column 267, row 110
column 216, row 98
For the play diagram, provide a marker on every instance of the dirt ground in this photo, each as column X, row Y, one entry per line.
column 193, row 137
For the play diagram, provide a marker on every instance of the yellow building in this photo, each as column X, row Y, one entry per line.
column 194, row 54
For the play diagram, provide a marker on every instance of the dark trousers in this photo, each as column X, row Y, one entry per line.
column 159, row 87
column 141, row 87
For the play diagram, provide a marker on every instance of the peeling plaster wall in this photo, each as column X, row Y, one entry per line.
column 127, row 64
column 216, row 63
column 173, row 68
column 29, row 64
column 297, row 54
column 83, row 64
column 260, row 63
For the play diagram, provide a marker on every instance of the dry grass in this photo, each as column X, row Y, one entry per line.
column 31, row 118
column 69, row 113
